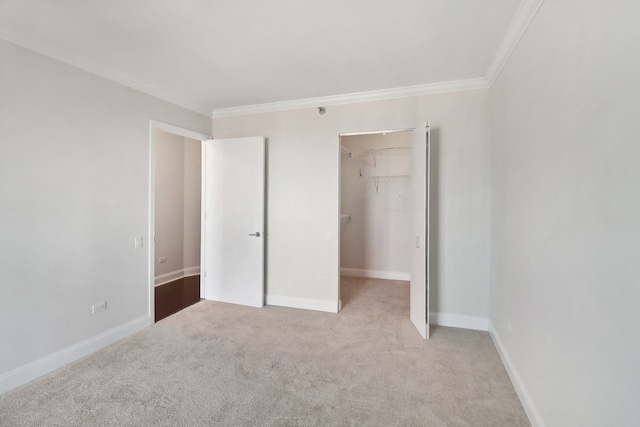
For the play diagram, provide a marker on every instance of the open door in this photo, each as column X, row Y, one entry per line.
column 234, row 203
column 420, row 169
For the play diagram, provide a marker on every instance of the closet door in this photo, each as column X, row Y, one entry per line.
column 234, row 189
column 419, row 304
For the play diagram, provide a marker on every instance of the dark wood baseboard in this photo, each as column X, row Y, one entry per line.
column 172, row 297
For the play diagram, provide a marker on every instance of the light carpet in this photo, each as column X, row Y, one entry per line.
column 216, row 364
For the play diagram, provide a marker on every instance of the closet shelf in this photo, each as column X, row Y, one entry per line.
column 387, row 176
column 384, row 150
column 345, row 217
column 376, row 178
column 404, row 147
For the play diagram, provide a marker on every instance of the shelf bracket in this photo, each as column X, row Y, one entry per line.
column 374, row 156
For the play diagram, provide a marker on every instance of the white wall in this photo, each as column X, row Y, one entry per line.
column 177, row 213
column 169, row 224
column 377, row 241
column 302, row 183
column 566, row 214
column 192, row 201
column 74, row 191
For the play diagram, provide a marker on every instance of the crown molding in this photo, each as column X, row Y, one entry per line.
column 350, row 98
column 54, row 52
column 518, row 26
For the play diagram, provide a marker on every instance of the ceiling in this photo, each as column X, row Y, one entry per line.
column 210, row 55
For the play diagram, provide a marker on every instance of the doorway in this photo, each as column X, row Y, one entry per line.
column 175, row 219
column 375, row 200
column 384, row 212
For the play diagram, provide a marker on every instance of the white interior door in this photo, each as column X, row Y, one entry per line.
column 234, row 220
column 419, row 304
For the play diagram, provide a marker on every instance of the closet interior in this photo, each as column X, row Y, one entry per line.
column 375, row 205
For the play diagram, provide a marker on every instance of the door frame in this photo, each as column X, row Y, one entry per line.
column 155, row 125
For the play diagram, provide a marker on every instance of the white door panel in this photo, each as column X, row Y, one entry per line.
column 419, row 293
column 234, row 220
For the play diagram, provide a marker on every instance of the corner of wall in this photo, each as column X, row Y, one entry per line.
column 518, row 384
column 519, row 24
column 459, row 321
column 51, row 362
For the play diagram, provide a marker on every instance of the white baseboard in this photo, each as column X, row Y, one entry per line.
column 459, row 321
column 525, row 398
column 46, row 364
column 375, row 274
column 175, row 275
column 304, row 303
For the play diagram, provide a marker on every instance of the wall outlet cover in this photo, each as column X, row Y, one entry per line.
column 97, row 308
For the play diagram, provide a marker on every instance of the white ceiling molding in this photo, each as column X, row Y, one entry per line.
column 350, row 98
column 61, row 55
column 518, row 26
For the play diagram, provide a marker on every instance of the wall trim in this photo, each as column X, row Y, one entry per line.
column 518, row 26
column 459, row 321
column 175, row 275
column 375, row 274
column 351, row 98
column 535, row 418
column 51, row 362
column 303, row 303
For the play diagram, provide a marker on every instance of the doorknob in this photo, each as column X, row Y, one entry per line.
column 257, row 234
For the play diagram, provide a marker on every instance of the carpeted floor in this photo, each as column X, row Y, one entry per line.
column 218, row 364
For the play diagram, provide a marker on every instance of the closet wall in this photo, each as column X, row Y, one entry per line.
column 376, row 193
column 177, row 212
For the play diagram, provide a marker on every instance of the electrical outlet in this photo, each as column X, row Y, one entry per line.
column 327, row 235
column 97, row 308
column 162, row 259
column 509, row 326
column 321, row 279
